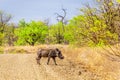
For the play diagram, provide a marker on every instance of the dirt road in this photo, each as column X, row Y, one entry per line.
column 24, row 67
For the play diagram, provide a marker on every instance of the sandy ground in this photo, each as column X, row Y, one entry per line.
column 79, row 64
column 24, row 67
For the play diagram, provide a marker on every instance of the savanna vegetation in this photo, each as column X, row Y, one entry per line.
column 94, row 33
column 96, row 26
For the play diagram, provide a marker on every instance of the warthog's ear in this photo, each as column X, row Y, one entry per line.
column 39, row 49
column 57, row 50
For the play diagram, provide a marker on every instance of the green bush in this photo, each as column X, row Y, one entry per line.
column 31, row 33
column 1, row 50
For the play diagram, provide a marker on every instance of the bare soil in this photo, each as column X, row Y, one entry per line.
column 24, row 67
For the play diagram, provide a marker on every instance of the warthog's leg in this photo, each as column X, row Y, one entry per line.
column 54, row 60
column 48, row 60
column 38, row 60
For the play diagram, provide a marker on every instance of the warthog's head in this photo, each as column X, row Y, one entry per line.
column 59, row 53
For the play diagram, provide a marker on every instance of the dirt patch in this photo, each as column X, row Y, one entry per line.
column 24, row 67
column 79, row 64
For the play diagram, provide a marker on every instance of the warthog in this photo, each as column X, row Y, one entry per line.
column 50, row 53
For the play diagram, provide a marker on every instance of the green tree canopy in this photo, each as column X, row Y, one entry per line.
column 30, row 33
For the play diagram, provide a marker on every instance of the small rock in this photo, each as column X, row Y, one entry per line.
column 79, row 73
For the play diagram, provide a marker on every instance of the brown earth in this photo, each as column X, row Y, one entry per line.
column 79, row 64
column 24, row 67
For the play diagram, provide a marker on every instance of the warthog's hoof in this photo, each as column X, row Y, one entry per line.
column 37, row 59
column 38, row 63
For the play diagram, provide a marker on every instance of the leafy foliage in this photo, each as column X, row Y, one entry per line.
column 9, row 34
column 4, row 19
column 31, row 33
column 96, row 26
column 118, row 1
column 92, row 30
column 1, row 38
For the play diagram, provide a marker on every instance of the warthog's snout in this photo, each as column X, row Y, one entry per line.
column 62, row 57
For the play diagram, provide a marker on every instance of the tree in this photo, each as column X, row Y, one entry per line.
column 31, row 33
column 118, row 1
column 9, row 32
column 61, row 21
column 56, row 33
column 92, row 29
column 110, row 13
column 4, row 19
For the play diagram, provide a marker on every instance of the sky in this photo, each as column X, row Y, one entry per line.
column 41, row 9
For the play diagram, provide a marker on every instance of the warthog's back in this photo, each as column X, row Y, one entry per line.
column 43, row 52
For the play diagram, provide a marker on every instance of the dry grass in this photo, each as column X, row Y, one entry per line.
column 95, row 60
column 99, row 63
column 1, row 50
column 27, row 49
